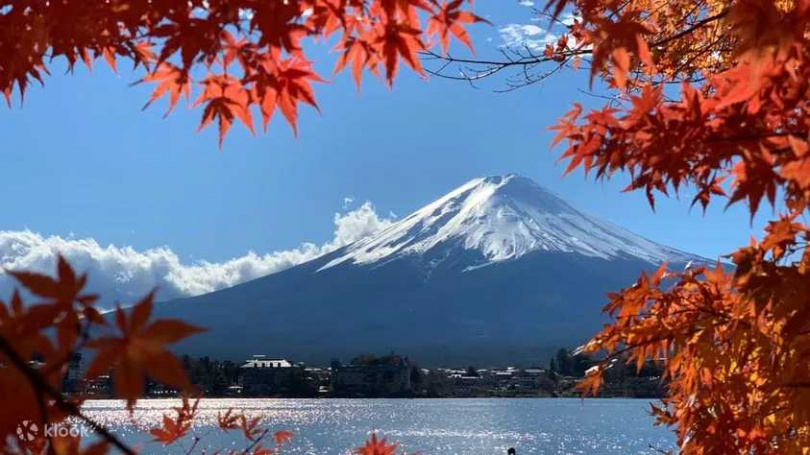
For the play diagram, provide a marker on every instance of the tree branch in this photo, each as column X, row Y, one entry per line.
column 492, row 67
column 70, row 408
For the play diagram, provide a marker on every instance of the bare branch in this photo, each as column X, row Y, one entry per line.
column 40, row 384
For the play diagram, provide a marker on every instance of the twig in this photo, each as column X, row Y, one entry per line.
column 256, row 441
column 194, row 445
column 529, row 59
column 691, row 29
column 40, row 384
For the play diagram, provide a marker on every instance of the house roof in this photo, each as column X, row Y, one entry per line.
column 261, row 362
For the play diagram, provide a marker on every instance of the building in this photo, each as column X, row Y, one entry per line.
column 71, row 382
column 262, row 361
column 320, row 379
column 265, row 376
column 369, row 376
column 99, row 387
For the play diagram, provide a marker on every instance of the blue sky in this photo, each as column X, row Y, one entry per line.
column 81, row 159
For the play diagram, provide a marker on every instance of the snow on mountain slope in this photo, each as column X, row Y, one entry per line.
column 504, row 218
column 497, row 272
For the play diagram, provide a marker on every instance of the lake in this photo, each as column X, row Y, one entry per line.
column 429, row 426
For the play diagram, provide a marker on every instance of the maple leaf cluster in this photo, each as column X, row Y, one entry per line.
column 377, row 446
column 250, row 53
column 714, row 96
column 179, row 426
column 38, row 340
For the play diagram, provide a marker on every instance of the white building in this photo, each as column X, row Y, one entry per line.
column 262, row 361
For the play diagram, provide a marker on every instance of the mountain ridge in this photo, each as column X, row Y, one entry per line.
column 498, row 272
column 505, row 217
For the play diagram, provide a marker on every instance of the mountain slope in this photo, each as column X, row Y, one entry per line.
column 498, row 271
column 504, row 218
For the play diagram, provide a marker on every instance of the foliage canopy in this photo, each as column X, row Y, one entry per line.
column 244, row 55
column 712, row 95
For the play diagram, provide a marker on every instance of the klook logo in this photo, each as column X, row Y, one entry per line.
column 28, row 431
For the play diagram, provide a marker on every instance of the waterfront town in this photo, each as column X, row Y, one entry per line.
column 387, row 376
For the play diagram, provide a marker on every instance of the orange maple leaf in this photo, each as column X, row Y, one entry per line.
column 397, row 39
column 260, row 449
column 250, row 427
column 449, row 20
column 224, row 98
column 360, row 53
column 284, row 84
column 58, row 308
column 63, row 291
column 140, row 350
column 283, row 437
column 376, row 446
column 228, row 420
column 170, row 79
column 179, row 426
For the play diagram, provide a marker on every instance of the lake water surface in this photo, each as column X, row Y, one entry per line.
column 440, row 426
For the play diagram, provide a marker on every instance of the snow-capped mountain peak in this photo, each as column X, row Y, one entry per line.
column 498, row 271
column 502, row 218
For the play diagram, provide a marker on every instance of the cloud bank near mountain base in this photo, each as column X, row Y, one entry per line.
column 122, row 273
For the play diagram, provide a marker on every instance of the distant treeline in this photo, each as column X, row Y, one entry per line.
column 214, row 377
column 621, row 380
column 220, row 378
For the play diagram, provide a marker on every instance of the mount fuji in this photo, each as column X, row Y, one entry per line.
column 498, row 271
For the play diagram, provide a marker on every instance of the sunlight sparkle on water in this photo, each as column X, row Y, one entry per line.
column 442, row 426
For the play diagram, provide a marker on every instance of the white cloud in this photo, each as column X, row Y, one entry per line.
column 526, row 36
column 534, row 37
column 528, row 3
column 123, row 273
